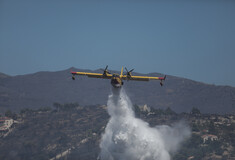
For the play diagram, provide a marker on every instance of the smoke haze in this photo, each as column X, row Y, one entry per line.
column 129, row 138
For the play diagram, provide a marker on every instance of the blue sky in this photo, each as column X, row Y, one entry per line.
column 191, row 39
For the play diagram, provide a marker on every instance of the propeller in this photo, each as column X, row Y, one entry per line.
column 128, row 73
column 106, row 70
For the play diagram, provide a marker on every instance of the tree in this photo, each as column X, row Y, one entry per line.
column 137, row 110
column 44, row 109
column 10, row 114
column 57, row 105
column 195, row 111
column 169, row 111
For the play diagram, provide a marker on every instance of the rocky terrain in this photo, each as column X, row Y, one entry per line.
column 71, row 131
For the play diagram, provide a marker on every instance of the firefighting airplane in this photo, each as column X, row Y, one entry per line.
column 116, row 79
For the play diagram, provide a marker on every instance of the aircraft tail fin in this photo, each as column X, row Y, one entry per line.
column 121, row 72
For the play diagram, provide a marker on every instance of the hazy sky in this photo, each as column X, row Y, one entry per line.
column 191, row 39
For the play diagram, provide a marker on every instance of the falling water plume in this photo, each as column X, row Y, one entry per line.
column 129, row 138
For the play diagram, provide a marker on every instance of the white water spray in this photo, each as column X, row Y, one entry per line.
column 129, row 138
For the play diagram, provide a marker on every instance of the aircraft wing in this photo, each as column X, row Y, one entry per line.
column 92, row 75
column 142, row 78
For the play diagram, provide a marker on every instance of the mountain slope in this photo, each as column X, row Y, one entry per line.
column 44, row 88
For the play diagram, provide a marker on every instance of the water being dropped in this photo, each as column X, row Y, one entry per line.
column 129, row 138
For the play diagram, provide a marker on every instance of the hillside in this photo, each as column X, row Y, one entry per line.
column 74, row 132
column 44, row 88
column 2, row 75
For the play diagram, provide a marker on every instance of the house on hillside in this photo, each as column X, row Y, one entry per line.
column 5, row 123
column 145, row 108
column 207, row 137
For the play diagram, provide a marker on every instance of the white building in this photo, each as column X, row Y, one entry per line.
column 206, row 137
column 5, row 123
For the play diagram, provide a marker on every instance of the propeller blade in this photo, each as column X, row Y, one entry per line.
column 126, row 69
column 129, row 71
column 106, row 68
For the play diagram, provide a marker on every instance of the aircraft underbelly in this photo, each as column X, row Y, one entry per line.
column 116, row 83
